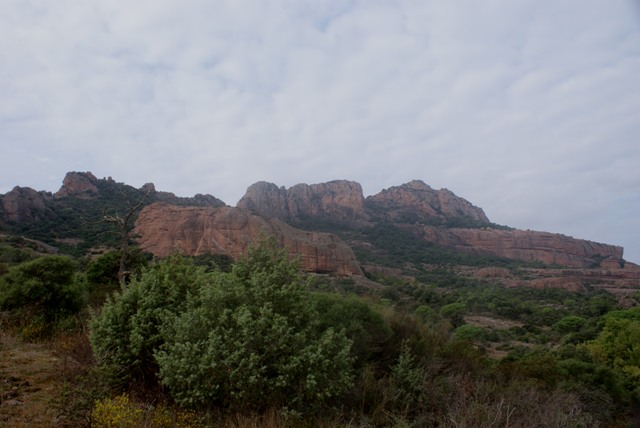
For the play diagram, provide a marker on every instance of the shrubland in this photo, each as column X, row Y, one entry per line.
column 208, row 342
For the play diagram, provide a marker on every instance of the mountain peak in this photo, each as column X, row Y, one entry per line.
column 418, row 202
column 78, row 183
column 339, row 201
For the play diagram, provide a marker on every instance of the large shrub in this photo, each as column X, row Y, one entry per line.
column 252, row 339
column 362, row 322
column 248, row 339
column 126, row 333
column 46, row 287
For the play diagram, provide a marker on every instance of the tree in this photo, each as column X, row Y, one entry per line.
column 618, row 346
column 123, row 226
column 570, row 324
column 105, row 269
column 454, row 312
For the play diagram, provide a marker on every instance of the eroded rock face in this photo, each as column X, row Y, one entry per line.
column 164, row 229
column 78, row 184
column 620, row 280
column 417, row 202
column 531, row 246
column 25, row 205
column 337, row 201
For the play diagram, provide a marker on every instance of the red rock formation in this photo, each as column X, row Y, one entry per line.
column 417, row 202
column 25, row 205
column 531, row 246
column 164, row 228
column 339, row 201
column 78, row 184
column 621, row 280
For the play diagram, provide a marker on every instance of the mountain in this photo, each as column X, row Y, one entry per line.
column 410, row 231
column 70, row 218
column 435, row 216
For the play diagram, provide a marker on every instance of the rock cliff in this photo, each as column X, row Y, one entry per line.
column 437, row 216
column 164, row 228
column 337, row 201
column 78, row 184
column 416, row 202
column 198, row 200
column 25, row 205
column 531, row 246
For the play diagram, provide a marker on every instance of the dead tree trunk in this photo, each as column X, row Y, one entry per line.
column 122, row 224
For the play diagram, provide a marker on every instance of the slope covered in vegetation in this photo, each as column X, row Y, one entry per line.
column 257, row 341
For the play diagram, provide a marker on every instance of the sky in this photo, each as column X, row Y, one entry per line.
column 528, row 109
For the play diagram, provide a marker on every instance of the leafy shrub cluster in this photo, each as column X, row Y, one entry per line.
column 42, row 293
column 245, row 339
column 122, row 412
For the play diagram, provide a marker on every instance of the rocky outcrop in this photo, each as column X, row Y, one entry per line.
column 416, row 202
column 164, row 229
column 78, row 184
column 530, row 246
column 337, row 201
column 198, row 200
column 25, row 205
column 620, row 280
column 438, row 216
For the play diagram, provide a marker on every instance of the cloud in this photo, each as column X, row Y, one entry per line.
column 527, row 109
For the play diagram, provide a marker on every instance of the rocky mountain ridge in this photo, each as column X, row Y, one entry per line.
column 25, row 205
column 437, row 216
column 296, row 216
column 339, row 201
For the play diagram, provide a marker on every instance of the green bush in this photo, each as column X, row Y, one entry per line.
column 454, row 312
column 253, row 339
column 570, row 324
column 247, row 339
column 46, row 286
column 470, row 333
column 126, row 333
column 363, row 324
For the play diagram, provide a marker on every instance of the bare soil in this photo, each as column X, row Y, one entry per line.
column 29, row 382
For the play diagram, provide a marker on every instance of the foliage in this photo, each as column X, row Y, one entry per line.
column 126, row 333
column 118, row 412
column 121, row 412
column 213, row 262
column 454, row 312
column 77, row 218
column 253, row 339
column 104, row 269
column 363, row 324
column 470, row 333
column 570, row 324
column 618, row 345
column 46, row 286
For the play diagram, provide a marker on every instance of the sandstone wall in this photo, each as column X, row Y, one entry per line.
column 164, row 229
column 550, row 248
column 340, row 201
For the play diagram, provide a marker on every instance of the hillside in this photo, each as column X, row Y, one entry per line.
column 407, row 229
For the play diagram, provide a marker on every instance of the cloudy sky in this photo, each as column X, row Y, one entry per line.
column 529, row 109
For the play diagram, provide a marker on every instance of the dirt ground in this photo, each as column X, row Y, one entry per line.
column 29, row 382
